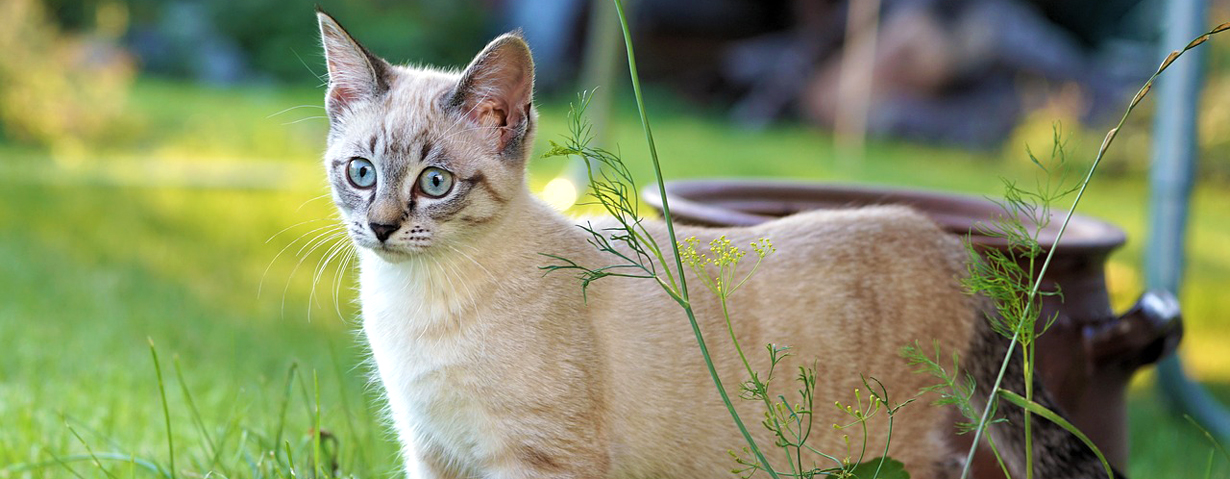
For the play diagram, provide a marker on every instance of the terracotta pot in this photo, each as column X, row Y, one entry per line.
column 1085, row 359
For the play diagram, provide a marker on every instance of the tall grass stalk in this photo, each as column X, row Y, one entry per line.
column 674, row 242
column 89, row 451
column 316, row 426
column 1029, row 301
column 166, row 409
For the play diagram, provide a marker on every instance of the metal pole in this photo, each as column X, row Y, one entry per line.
column 1173, row 170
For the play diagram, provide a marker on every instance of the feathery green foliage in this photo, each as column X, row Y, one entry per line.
column 955, row 389
column 1009, row 284
column 612, row 187
column 1008, row 276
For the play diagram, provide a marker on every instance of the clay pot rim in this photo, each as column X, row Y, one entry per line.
column 701, row 201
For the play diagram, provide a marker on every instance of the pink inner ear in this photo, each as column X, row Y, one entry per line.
column 494, row 89
column 340, row 96
column 500, row 117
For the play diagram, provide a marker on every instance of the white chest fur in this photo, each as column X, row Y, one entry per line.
column 429, row 357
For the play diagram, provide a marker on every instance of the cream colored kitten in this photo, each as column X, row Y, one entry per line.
column 493, row 370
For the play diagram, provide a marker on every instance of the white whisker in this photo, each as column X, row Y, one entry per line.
column 316, row 244
column 294, row 108
column 320, row 117
column 261, row 286
column 321, row 266
column 288, row 228
column 342, row 270
column 334, row 216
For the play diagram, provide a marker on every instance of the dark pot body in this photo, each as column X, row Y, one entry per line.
column 1087, row 356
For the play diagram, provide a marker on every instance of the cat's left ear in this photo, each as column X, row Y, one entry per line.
column 355, row 75
column 496, row 91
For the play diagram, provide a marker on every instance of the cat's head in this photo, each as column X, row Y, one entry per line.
column 421, row 159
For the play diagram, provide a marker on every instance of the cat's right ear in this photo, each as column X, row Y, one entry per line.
column 355, row 75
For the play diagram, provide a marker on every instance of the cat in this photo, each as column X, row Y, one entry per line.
column 492, row 369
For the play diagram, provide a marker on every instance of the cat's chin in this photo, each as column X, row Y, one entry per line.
column 395, row 255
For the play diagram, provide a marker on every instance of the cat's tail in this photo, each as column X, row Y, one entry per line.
column 1058, row 454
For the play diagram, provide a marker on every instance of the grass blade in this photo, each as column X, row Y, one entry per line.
column 89, row 451
column 196, row 413
column 290, row 377
column 166, row 408
column 1217, row 447
column 13, row 469
column 1041, row 410
column 316, row 427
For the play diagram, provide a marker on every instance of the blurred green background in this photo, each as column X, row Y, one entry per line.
column 147, row 194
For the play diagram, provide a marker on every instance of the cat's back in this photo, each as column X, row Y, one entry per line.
column 842, row 258
column 894, row 228
column 881, row 268
column 844, row 288
column 882, row 273
column 846, row 241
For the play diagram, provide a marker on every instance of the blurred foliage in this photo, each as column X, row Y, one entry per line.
column 1064, row 104
column 57, row 90
column 279, row 37
column 276, row 33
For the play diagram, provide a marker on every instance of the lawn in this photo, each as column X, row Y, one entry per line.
column 197, row 233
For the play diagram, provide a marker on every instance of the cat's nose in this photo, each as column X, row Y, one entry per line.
column 383, row 231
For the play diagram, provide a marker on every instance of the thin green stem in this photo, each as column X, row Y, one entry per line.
column 670, row 231
column 653, row 149
column 316, row 424
column 887, row 442
column 755, row 267
column 731, row 329
column 862, row 452
column 89, row 451
column 747, row 436
column 986, row 411
column 795, row 471
column 166, row 410
column 1026, row 350
column 998, row 459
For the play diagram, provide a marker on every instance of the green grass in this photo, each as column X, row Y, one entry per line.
column 101, row 252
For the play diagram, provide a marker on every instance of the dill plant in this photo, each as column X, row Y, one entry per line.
column 629, row 243
column 791, row 423
column 637, row 254
column 1008, row 278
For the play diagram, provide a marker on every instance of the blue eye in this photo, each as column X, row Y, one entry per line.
column 435, row 182
column 362, row 173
